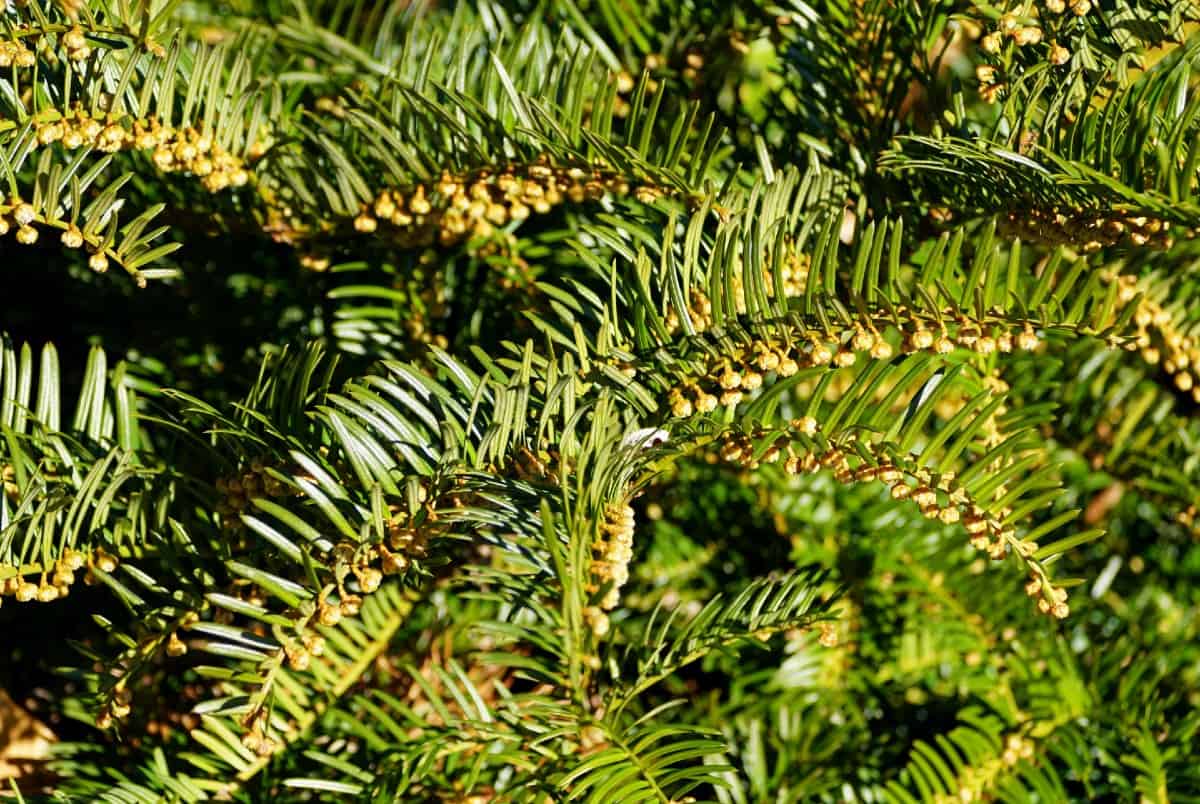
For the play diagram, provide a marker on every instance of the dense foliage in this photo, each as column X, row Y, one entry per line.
column 608, row 401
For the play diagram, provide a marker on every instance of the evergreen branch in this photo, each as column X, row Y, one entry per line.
column 73, row 495
column 764, row 607
column 339, row 665
column 972, row 760
column 631, row 765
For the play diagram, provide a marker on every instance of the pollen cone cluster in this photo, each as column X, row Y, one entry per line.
column 611, row 553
